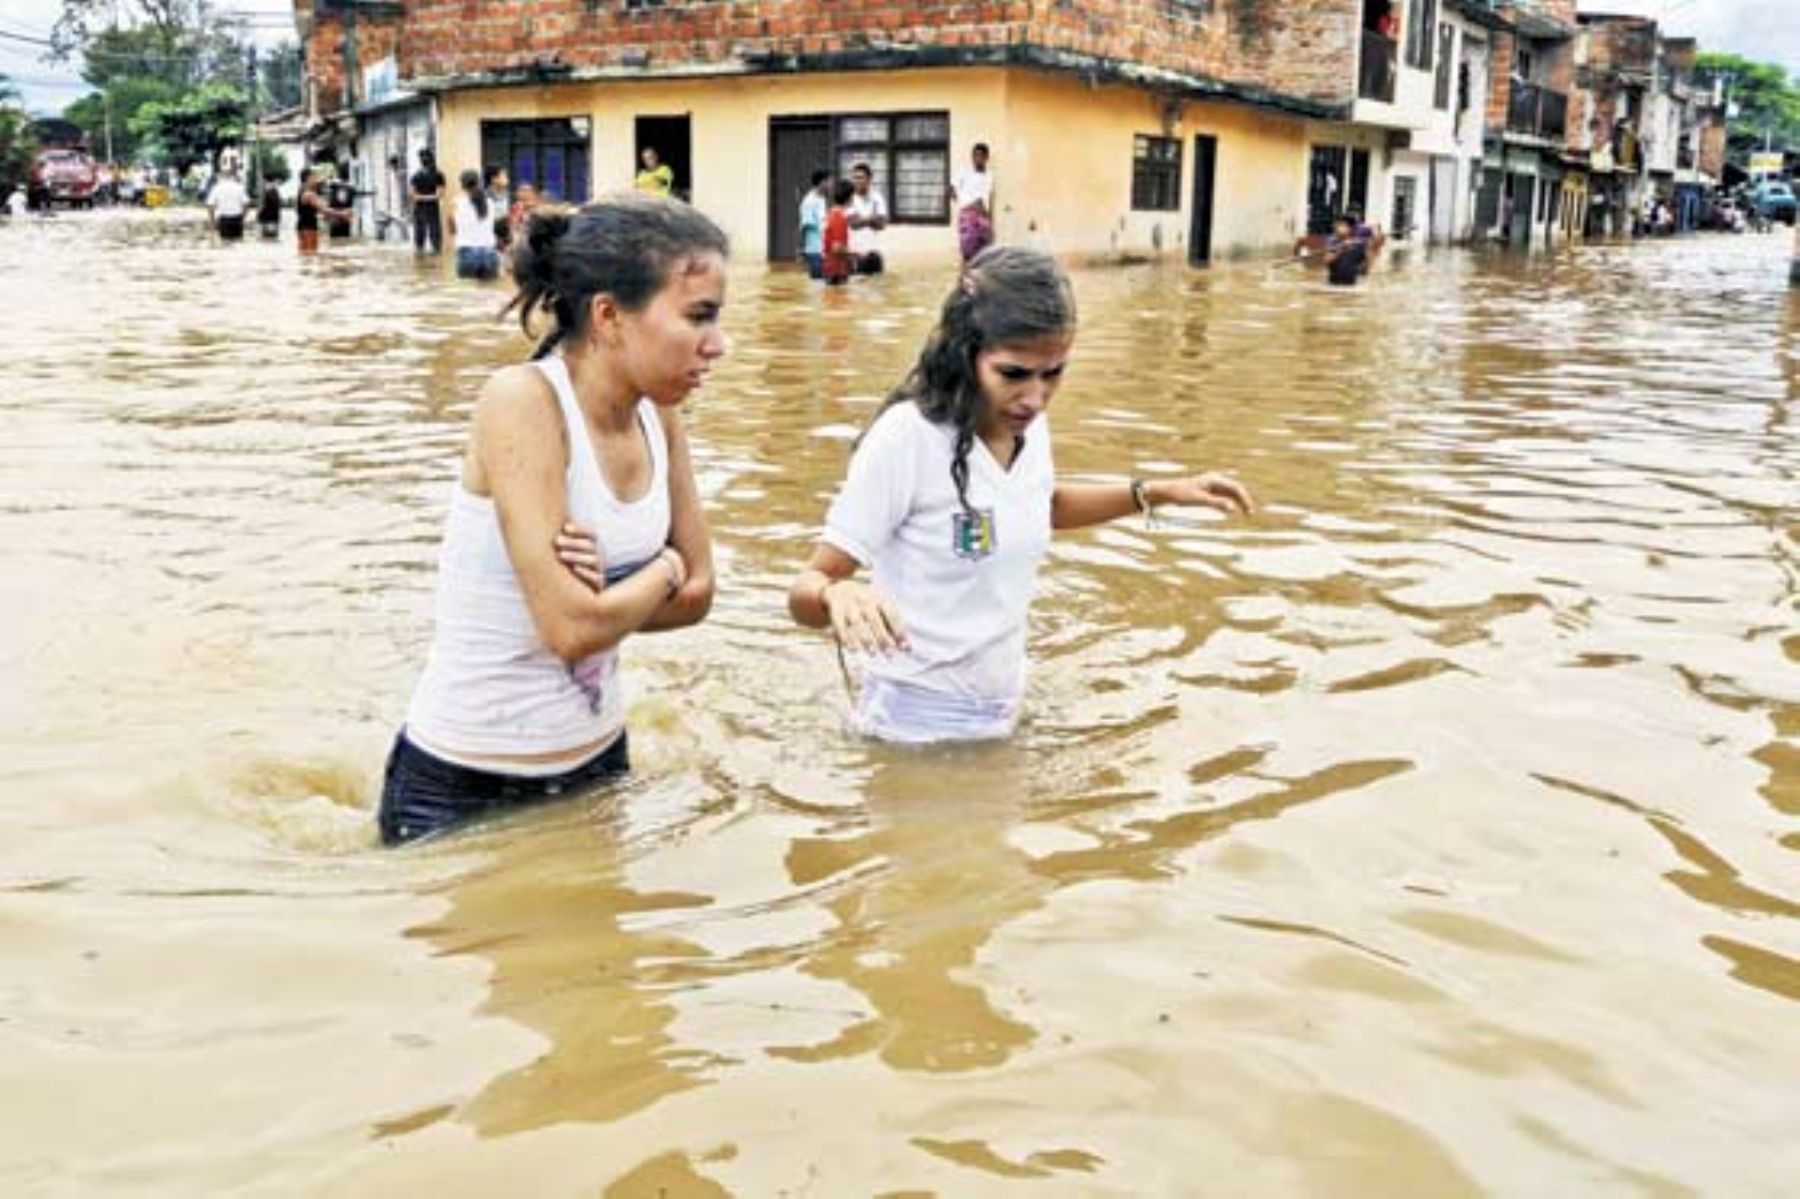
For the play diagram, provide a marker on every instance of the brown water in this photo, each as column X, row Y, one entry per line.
column 1435, row 833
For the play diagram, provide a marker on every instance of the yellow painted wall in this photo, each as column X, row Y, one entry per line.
column 1065, row 180
column 1061, row 152
column 729, row 132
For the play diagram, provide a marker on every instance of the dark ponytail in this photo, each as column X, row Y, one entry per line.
column 625, row 248
column 471, row 185
column 1006, row 295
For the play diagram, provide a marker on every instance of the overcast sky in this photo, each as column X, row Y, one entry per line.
column 1765, row 30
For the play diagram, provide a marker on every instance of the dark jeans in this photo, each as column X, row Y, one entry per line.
column 477, row 263
column 428, row 226
column 423, row 794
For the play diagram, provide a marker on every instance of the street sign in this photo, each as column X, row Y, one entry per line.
column 1766, row 163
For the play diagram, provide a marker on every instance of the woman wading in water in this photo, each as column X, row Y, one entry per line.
column 581, row 452
column 950, row 502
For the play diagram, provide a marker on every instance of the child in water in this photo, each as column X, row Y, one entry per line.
column 838, row 261
column 950, row 503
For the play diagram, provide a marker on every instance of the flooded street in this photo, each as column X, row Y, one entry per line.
column 1434, row 833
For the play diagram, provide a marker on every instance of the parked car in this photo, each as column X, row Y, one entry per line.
column 64, row 177
column 1774, row 201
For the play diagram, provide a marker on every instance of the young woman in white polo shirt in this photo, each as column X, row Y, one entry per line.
column 950, row 503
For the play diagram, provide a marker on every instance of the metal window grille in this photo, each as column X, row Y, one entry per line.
column 1155, row 174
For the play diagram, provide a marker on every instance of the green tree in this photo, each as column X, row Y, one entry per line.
column 106, row 116
column 1767, row 100
column 281, row 76
column 195, row 127
column 17, row 145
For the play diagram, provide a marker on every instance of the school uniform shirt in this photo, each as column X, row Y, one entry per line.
column 228, row 199
column 963, row 584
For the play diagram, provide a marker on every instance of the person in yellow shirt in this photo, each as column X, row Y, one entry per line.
column 657, row 177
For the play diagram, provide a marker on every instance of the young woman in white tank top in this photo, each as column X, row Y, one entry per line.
column 576, row 521
column 951, row 502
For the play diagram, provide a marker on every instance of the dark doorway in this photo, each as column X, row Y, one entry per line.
column 1200, row 235
column 1524, row 207
column 1357, row 202
column 670, row 138
column 798, row 146
column 552, row 156
column 1325, row 187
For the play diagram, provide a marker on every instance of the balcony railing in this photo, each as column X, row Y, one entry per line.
column 1536, row 111
column 1379, row 55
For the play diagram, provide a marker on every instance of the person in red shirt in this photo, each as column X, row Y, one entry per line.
column 838, row 260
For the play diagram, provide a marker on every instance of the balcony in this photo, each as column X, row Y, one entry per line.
column 1379, row 58
column 1536, row 111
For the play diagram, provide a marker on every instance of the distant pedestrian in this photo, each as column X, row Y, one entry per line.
column 18, row 204
column 525, row 198
column 473, row 227
column 427, row 194
column 496, row 183
column 868, row 217
column 837, row 262
column 974, row 199
column 268, row 211
column 657, row 177
column 812, row 225
column 227, row 205
column 1346, row 254
column 340, row 193
column 309, row 209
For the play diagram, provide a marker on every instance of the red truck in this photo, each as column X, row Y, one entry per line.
column 64, row 177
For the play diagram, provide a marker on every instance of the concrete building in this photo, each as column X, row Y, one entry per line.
column 1116, row 128
column 1524, row 184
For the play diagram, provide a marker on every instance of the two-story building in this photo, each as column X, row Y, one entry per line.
column 1116, row 127
column 1522, row 191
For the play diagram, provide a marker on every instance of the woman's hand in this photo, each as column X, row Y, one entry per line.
column 862, row 618
column 1217, row 491
column 578, row 550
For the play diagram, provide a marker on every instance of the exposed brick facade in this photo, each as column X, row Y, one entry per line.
column 1297, row 53
column 1533, row 24
column 323, row 27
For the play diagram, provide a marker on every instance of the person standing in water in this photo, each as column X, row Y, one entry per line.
column 973, row 197
column 228, row 203
column 951, row 502
column 1346, row 254
column 426, row 190
column 473, row 227
column 309, row 208
column 576, row 522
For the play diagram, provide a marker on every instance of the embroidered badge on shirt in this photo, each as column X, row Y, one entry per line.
column 972, row 534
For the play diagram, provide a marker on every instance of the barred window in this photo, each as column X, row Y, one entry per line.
column 1155, row 174
column 909, row 155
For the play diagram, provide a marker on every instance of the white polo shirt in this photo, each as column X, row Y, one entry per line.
column 963, row 585
column 974, row 185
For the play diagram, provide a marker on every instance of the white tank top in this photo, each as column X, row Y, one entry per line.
column 491, row 686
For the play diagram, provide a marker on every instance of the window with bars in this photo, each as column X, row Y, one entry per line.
column 909, row 156
column 1155, row 174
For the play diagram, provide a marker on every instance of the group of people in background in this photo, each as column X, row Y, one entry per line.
column 841, row 219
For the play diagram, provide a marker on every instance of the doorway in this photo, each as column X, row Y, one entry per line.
column 798, row 146
column 1200, row 234
column 670, row 137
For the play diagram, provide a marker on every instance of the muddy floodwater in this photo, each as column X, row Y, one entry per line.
column 1434, row 833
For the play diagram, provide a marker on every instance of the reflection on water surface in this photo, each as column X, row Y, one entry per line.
column 1431, row 834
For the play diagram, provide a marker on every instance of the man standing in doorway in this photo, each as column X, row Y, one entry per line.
column 973, row 196
column 868, row 217
column 812, row 225
column 657, row 177
column 427, row 198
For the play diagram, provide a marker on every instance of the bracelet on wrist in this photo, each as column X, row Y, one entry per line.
column 675, row 571
column 1140, row 499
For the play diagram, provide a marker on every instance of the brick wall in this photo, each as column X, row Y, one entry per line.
column 1302, row 49
column 376, row 38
